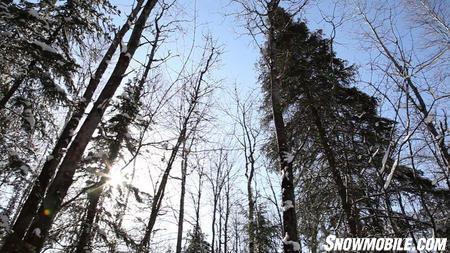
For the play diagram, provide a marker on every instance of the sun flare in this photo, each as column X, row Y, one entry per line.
column 115, row 178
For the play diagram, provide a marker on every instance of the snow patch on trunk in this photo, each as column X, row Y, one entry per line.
column 288, row 157
column 284, row 174
column 295, row 245
column 429, row 119
column 123, row 47
column 37, row 232
column 287, row 205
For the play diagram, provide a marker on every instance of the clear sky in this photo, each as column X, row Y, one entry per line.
column 240, row 53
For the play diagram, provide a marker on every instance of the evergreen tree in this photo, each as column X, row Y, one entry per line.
column 113, row 136
column 38, row 42
column 264, row 231
column 328, row 123
column 197, row 242
column 341, row 144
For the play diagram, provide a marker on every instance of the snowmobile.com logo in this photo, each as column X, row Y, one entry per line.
column 382, row 244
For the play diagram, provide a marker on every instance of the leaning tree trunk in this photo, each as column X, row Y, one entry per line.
column 85, row 238
column 157, row 199
column 8, row 95
column 40, row 186
column 330, row 157
column 64, row 178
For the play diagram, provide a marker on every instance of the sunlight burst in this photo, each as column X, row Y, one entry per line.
column 115, row 177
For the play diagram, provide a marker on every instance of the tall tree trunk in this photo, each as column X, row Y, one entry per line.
column 248, row 143
column 251, row 215
column 227, row 215
column 48, row 170
column 213, row 225
column 290, row 235
column 219, row 241
column 184, row 156
column 64, row 178
column 157, row 199
column 85, row 238
column 250, row 167
column 199, row 197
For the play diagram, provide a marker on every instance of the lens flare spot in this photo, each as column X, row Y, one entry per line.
column 46, row 212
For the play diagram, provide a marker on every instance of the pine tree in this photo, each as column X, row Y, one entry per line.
column 38, row 44
column 197, row 242
column 113, row 136
column 64, row 177
column 323, row 114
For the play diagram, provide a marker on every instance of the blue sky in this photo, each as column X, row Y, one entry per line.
column 241, row 54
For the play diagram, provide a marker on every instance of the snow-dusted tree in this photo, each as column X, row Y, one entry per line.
column 196, row 242
column 39, row 229
column 411, row 38
column 38, row 43
column 49, row 167
column 261, row 18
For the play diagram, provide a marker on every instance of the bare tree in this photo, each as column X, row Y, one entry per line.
column 407, row 69
column 184, row 173
column 248, row 137
column 217, row 178
column 196, row 89
column 411, row 39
